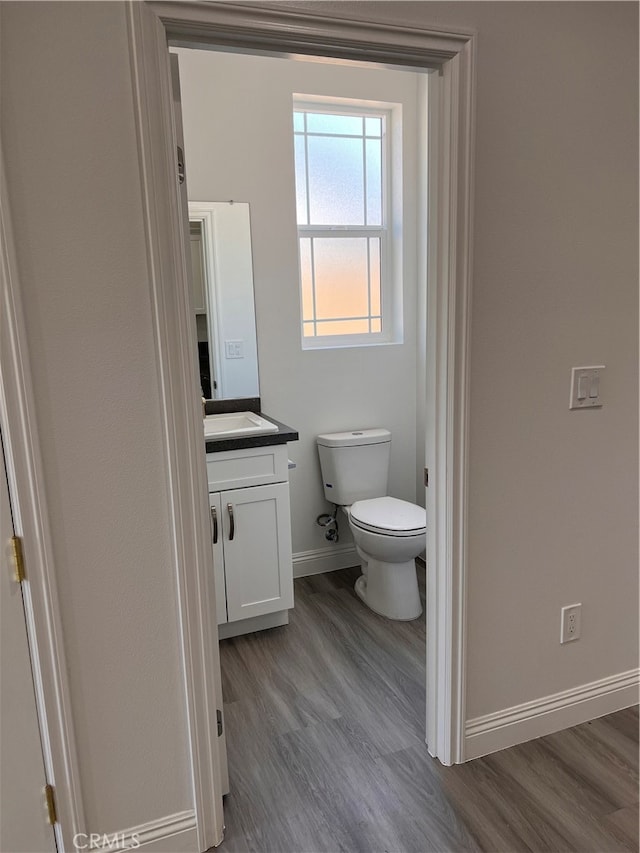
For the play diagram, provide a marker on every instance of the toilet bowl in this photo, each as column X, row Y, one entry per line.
column 389, row 534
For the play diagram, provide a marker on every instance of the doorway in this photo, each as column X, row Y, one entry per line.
column 254, row 113
column 446, row 303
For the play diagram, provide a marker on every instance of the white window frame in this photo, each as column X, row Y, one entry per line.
column 389, row 232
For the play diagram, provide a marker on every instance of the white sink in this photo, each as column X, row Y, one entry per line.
column 236, row 423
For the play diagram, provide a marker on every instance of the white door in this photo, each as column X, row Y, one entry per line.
column 24, row 827
column 257, row 550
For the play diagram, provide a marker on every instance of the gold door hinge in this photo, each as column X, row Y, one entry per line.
column 18, row 559
column 49, row 795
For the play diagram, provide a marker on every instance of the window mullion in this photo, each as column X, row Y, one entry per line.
column 364, row 175
column 313, row 286
column 306, row 170
column 343, row 231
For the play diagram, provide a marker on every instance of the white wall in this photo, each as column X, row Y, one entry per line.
column 553, row 502
column 237, row 114
column 70, row 149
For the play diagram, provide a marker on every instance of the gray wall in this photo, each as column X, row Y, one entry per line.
column 70, row 150
column 553, row 494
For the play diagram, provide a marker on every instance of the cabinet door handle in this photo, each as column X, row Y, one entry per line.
column 214, row 520
column 232, row 523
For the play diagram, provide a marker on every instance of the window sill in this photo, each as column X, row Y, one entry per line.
column 347, row 344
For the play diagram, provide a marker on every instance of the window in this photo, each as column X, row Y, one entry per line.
column 343, row 215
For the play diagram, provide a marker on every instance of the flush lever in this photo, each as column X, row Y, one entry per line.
column 232, row 523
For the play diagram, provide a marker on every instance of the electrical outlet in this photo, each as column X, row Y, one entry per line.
column 570, row 623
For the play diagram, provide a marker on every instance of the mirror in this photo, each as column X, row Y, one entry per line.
column 222, row 284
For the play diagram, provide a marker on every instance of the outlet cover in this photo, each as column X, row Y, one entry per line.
column 570, row 623
column 586, row 387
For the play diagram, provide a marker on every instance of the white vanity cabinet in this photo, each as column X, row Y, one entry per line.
column 251, row 535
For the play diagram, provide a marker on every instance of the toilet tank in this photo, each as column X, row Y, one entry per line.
column 355, row 465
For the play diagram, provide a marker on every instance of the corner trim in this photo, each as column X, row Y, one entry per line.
column 451, row 116
column 552, row 713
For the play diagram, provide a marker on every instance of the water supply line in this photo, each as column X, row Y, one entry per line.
column 330, row 524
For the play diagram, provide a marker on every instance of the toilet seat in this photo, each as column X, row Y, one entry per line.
column 389, row 516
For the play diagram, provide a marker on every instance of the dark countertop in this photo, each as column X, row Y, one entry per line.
column 285, row 434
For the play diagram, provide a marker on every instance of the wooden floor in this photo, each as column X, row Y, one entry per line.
column 325, row 733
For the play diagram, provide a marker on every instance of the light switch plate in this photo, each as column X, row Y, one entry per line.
column 234, row 349
column 586, row 387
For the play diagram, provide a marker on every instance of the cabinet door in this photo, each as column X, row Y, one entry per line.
column 257, row 550
column 218, row 557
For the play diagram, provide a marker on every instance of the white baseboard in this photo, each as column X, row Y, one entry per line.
column 549, row 714
column 176, row 833
column 324, row 560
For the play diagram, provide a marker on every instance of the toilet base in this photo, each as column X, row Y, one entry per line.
column 390, row 589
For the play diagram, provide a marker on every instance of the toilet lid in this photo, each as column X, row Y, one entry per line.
column 389, row 515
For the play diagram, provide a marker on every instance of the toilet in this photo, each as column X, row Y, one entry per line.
column 389, row 533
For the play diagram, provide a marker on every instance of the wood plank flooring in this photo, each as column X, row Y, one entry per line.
column 325, row 734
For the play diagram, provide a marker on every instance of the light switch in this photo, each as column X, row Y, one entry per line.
column 585, row 387
column 583, row 384
column 234, row 349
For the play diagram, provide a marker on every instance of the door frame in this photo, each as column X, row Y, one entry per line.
column 25, row 475
column 283, row 32
column 449, row 229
